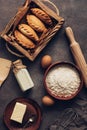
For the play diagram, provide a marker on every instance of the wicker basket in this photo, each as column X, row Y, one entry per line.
column 45, row 37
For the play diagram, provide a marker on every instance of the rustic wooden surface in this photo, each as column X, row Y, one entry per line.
column 75, row 15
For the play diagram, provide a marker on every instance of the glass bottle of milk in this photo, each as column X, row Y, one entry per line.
column 22, row 75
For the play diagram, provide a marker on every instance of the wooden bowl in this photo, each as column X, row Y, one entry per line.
column 32, row 107
column 56, row 95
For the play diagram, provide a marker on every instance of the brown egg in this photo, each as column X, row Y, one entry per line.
column 46, row 61
column 47, row 100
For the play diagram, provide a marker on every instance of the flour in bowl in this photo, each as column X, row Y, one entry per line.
column 63, row 81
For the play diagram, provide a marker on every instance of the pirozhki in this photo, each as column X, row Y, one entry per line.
column 36, row 23
column 28, row 31
column 42, row 15
column 23, row 40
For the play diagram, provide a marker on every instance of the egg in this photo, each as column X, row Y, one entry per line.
column 48, row 101
column 46, row 61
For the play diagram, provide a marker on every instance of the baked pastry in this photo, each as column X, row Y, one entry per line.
column 28, row 31
column 36, row 23
column 23, row 40
column 42, row 15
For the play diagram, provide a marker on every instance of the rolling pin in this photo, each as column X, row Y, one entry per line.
column 77, row 53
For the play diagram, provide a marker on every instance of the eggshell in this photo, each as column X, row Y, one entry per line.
column 46, row 61
column 47, row 100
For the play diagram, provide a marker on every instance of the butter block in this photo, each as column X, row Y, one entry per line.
column 18, row 112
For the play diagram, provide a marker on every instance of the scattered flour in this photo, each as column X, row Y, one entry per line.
column 63, row 80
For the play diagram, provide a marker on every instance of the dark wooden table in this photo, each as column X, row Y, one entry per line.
column 75, row 15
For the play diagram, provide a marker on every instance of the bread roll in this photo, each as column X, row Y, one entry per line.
column 23, row 40
column 36, row 23
column 42, row 15
column 28, row 31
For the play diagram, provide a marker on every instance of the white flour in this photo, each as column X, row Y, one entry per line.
column 63, row 81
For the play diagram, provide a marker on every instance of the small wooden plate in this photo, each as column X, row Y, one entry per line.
column 32, row 107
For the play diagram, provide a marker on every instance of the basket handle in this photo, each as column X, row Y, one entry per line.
column 26, row 3
column 12, row 52
column 55, row 7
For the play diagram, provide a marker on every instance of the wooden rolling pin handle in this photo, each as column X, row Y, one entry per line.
column 70, row 35
column 77, row 53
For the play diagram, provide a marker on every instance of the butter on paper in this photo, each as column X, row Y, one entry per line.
column 5, row 66
column 22, row 75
